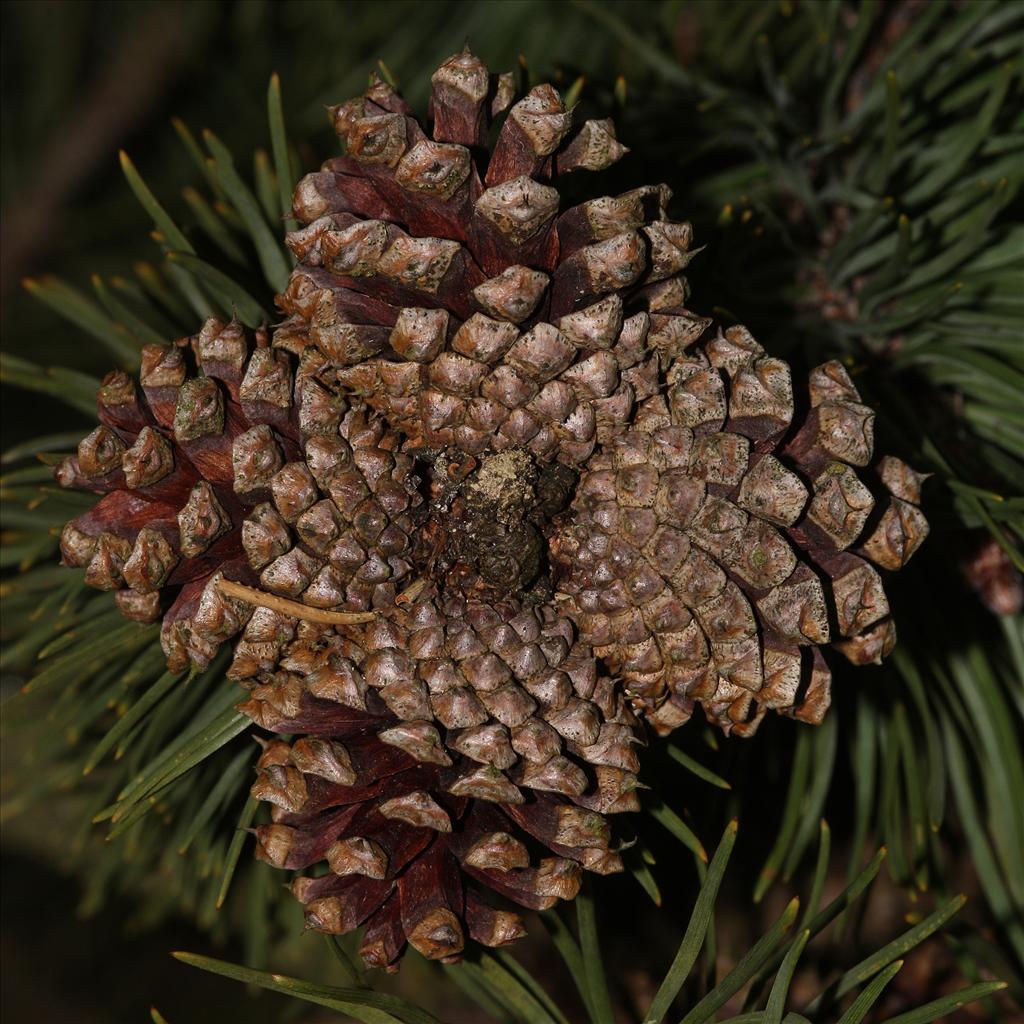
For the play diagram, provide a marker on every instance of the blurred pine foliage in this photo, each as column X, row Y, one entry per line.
column 855, row 170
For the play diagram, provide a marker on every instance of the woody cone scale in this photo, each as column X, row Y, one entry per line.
column 485, row 501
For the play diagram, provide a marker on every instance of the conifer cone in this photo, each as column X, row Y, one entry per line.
column 452, row 294
column 715, row 547
column 453, row 737
column 250, row 470
column 487, row 491
column 437, row 747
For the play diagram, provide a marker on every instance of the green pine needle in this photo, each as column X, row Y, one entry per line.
column 369, row 1007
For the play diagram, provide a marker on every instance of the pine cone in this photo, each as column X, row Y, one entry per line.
column 435, row 745
column 487, row 321
column 713, row 548
column 237, row 473
column 475, row 400
column 441, row 742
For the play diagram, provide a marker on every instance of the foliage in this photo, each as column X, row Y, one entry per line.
column 501, row 987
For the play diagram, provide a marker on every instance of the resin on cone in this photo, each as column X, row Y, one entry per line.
column 487, row 492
